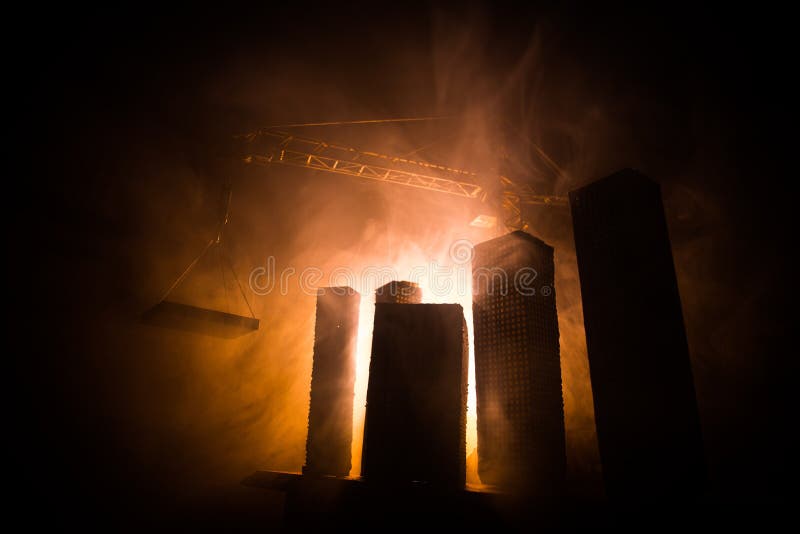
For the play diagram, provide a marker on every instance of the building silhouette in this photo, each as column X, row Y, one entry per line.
column 330, row 415
column 398, row 292
column 648, row 427
column 517, row 366
column 415, row 425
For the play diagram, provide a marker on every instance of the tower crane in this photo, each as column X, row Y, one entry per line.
column 272, row 146
column 282, row 148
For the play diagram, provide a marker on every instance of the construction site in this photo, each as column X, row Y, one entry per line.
column 483, row 265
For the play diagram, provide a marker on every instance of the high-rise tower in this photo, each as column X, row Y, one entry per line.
column 415, row 425
column 517, row 365
column 398, row 292
column 330, row 415
column 648, row 426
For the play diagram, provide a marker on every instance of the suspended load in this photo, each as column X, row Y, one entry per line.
column 179, row 316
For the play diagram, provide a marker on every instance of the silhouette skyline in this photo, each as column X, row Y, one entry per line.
column 129, row 118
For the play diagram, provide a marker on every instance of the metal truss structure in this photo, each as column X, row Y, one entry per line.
column 283, row 148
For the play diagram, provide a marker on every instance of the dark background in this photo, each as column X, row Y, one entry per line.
column 124, row 111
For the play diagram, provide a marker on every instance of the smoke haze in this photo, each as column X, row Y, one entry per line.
column 141, row 113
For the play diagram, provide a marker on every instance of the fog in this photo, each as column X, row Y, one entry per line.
column 146, row 122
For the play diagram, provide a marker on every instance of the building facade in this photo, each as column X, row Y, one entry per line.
column 645, row 407
column 330, row 415
column 520, row 405
column 398, row 292
column 415, row 425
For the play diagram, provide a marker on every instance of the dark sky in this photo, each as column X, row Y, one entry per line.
column 129, row 113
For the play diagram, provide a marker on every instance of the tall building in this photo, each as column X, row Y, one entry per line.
column 415, row 426
column 398, row 292
column 648, row 427
column 517, row 366
column 330, row 415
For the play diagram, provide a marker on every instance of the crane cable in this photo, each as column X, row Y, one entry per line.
column 367, row 121
column 217, row 240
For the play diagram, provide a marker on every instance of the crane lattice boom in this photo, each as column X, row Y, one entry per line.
column 319, row 155
column 288, row 149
